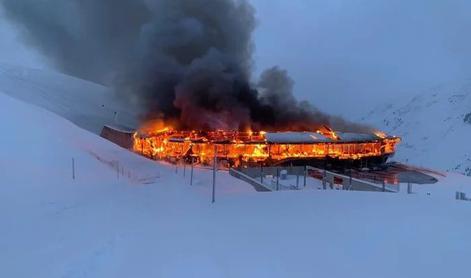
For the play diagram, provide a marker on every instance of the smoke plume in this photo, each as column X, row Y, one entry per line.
column 188, row 62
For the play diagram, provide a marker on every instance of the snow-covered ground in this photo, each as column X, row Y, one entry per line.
column 150, row 222
column 88, row 105
column 435, row 127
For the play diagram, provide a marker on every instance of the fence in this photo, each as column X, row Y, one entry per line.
column 123, row 172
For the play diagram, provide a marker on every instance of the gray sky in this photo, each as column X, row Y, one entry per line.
column 345, row 55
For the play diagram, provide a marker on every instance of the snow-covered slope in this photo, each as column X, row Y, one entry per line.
column 86, row 104
column 435, row 127
column 151, row 223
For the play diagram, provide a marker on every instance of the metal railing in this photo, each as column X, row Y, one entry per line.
column 349, row 182
column 258, row 186
column 256, row 176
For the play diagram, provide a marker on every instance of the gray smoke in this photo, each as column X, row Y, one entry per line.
column 184, row 61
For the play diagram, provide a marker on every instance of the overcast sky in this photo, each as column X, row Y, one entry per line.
column 345, row 55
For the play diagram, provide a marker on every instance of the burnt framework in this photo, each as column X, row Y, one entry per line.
column 279, row 148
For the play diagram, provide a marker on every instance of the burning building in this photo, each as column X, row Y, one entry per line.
column 182, row 63
column 235, row 148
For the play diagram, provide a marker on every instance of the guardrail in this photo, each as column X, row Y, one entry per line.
column 348, row 182
column 255, row 177
column 260, row 187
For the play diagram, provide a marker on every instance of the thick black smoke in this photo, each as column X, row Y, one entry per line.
column 185, row 61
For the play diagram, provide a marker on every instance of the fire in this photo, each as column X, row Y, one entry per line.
column 328, row 132
column 252, row 147
column 154, row 127
column 380, row 134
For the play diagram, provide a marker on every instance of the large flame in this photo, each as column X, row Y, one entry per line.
column 157, row 141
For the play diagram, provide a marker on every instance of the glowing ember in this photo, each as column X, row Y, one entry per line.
column 236, row 148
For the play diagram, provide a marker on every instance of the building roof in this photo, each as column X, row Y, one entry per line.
column 312, row 137
column 121, row 128
column 295, row 137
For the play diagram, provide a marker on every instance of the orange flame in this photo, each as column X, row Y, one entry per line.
column 328, row 132
column 163, row 142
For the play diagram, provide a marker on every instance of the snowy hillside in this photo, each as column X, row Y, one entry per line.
column 435, row 127
column 86, row 104
column 145, row 220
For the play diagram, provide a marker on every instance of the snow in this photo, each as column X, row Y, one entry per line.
column 433, row 127
column 88, row 105
column 151, row 223
column 349, row 137
column 311, row 137
column 295, row 137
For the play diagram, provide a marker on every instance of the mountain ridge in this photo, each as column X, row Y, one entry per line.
column 435, row 127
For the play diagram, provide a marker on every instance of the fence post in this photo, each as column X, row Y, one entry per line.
column 117, row 170
column 184, row 168
column 409, row 188
column 324, row 180
column 350, row 186
column 461, row 196
column 384, row 186
column 214, row 174
column 192, row 166
column 277, row 179
column 305, row 175
column 73, row 168
column 297, row 179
